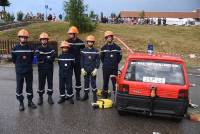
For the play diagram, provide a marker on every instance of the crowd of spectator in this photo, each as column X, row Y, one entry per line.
column 31, row 16
column 135, row 21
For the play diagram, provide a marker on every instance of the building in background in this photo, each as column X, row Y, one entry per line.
column 172, row 18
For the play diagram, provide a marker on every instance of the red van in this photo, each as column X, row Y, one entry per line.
column 153, row 84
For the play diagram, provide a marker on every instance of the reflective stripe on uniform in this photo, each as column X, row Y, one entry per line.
column 62, row 95
column 89, row 52
column 22, row 51
column 45, row 53
column 116, row 51
column 94, row 89
column 77, row 44
column 66, row 59
column 50, row 90
column 78, row 86
column 109, row 51
column 29, row 94
column 41, row 91
column 87, row 89
column 70, row 95
column 19, row 94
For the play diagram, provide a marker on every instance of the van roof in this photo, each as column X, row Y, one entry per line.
column 155, row 56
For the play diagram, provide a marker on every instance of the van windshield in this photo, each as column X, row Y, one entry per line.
column 155, row 72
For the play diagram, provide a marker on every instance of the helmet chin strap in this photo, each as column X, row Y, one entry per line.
column 22, row 43
column 44, row 45
column 90, row 47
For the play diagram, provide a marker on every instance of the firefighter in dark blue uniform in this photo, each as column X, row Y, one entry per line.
column 75, row 49
column 22, row 57
column 90, row 61
column 110, row 57
column 66, row 65
column 46, row 57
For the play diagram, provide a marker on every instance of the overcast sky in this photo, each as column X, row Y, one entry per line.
column 106, row 6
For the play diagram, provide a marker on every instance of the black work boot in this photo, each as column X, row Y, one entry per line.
column 31, row 105
column 78, row 95
column 40, row 100
column 71, row 101
column 85, row 97
column 67, row 97
column 105, row 94
column 61, row 100
column 21, row 106
column 94, row 97
column 50, row 100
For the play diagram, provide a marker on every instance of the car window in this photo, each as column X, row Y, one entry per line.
column 155, row 72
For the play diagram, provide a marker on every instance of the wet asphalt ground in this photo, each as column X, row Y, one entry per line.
column 80, row 118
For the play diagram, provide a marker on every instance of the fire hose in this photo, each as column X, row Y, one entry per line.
column 124, row 44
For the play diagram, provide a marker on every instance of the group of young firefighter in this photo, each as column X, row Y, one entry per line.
column 76, row 57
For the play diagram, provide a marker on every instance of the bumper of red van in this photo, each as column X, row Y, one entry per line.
column 155, row 106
